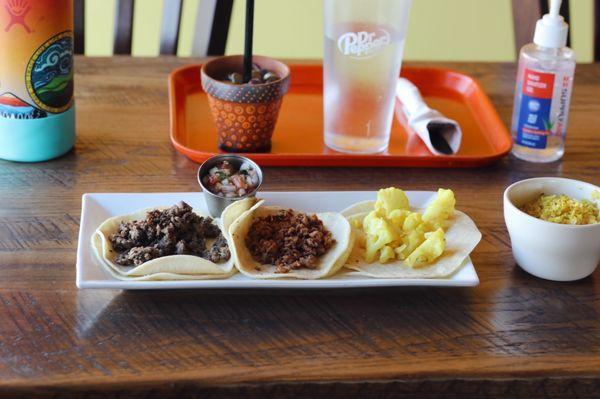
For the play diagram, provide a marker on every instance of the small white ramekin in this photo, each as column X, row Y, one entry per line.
column 548, row 250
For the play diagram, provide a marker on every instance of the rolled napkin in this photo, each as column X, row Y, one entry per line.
column 441, row 135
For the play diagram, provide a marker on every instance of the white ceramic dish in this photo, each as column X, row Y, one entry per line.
column 550, row 250
column 98, row 207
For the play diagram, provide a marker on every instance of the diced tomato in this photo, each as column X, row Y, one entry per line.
column 239, row 181
column 213, row 179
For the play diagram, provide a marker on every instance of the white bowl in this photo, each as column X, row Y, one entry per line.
column 549, row 250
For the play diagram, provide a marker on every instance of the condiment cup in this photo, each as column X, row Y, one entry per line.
column 552, row 251
column 216, row 203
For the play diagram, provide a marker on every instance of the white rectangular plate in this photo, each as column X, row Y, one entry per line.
column 98, row 207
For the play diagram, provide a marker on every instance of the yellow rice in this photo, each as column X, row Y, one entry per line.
column 562, row 209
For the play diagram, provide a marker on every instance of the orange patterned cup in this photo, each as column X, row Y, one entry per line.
column 245, row 114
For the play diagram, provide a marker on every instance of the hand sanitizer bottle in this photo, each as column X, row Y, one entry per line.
column 543, row 92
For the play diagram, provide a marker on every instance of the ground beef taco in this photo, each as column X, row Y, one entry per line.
column 164, row 243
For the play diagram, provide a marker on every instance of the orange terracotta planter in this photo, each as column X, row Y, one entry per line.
column 245, row 115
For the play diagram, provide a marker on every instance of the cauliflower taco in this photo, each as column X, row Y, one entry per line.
column 394, row 240
column 274, row 242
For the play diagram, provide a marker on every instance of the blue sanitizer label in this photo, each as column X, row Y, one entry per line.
column 536, row 108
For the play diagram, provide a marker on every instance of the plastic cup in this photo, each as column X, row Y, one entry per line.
column 364, row 42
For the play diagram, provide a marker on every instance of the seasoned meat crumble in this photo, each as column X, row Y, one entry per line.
column 173, row 231
column 288, row 240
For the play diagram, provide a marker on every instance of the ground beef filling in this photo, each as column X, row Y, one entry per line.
column 174, row 231
column 288, row 240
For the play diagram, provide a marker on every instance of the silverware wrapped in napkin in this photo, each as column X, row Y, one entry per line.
column 441, row 135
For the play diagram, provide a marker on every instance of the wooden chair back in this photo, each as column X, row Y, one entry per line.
column 210, row 32
column 213, row 17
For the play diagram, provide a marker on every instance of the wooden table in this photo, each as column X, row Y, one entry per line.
column 512, row 336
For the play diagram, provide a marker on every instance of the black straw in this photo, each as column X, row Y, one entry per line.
column 248, row 43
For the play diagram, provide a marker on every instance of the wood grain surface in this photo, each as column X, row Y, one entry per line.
column 512, row 336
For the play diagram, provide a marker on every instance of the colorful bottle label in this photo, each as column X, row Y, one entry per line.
column 535, row 124
column 36, row 58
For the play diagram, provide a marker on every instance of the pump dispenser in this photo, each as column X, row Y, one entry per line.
column 552, row 30
column 543, row 91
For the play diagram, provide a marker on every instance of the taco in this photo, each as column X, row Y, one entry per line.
column 234, row 211
column 164, row 243
column 394, row 240
column 272, row 242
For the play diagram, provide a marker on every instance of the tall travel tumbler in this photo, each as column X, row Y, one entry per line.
column 37, row 118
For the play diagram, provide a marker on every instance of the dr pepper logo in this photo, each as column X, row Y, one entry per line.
column 363, row 44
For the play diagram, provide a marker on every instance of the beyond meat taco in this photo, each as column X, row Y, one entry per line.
column 273, row 242
column 396, row 241
column 163, row 243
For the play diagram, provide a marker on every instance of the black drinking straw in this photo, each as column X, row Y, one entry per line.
column 248, row 43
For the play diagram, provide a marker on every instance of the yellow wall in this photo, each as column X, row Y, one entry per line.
column 463, row 30
column 293, row 31
column 99, row 26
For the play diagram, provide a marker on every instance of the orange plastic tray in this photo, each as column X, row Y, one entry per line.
column 298, row 137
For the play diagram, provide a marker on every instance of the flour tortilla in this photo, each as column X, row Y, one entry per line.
column 173, row 267
column 462, row 236
column 329, row 263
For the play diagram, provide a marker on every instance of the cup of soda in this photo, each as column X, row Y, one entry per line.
column 364, row 42
column 245, row 113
